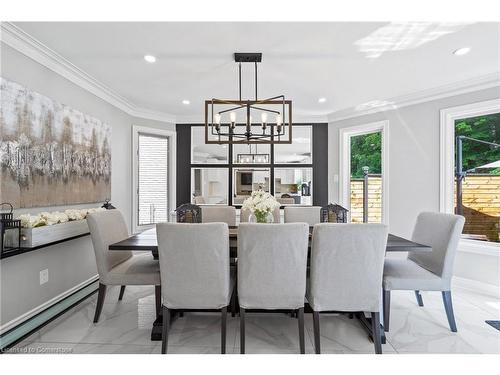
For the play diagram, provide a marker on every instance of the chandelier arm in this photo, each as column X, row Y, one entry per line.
column 273, row 98
column 231, row 109
column 266, row 110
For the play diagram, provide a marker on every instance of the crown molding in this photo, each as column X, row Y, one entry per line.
column 475, row 84
column 24, row 43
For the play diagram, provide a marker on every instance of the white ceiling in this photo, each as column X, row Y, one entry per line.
column 350, row 64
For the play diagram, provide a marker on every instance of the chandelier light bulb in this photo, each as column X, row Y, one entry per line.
column 217, row 122
column 232, row 117
column 279, row 120
column 263, row 117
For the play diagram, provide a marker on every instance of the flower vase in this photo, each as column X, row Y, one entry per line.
column 262, row 217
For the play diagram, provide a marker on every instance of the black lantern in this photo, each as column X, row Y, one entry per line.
column 10, row 230
column 334, row 213
column 188, row 213
column 107, row 205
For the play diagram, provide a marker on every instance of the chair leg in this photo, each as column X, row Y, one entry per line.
column 317, row 338
column 223, row 330
column 122, row 290
column 300, row 313
column 377, row 339
column 100, row 302
column 420, row 301
column 164, row 331
column 386, row 301
column 158, row 300
column 242, row 330
column 233, row 303
column 449, row 310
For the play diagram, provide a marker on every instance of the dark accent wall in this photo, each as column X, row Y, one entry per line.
column 183, row 193
column 319, row 165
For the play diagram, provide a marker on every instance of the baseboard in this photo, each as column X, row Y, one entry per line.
column 44, row 306
column 28, row 327
column 476, row 286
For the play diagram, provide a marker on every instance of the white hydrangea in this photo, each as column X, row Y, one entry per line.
column 74, row 214
column 32, row 221
column 260, row 200
column 52, row 218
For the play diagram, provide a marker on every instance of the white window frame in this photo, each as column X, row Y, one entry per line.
column 448, row 116
column 172, row 186
column 345, row 135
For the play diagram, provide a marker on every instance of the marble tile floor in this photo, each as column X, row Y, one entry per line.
column 125, row 327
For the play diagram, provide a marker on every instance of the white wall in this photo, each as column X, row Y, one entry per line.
column 73, row 262
column 414, row 168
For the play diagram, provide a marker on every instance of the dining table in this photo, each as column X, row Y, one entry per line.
column 147, row 241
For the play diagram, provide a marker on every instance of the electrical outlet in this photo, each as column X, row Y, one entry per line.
column 44, row 276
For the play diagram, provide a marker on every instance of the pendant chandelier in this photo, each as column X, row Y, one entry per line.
column 232, row 121
column 252, row 157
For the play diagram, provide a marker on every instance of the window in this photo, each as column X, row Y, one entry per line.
column 299, row 151
column 477, row 179
column 364, row 146
column 227, row 174
column 209, row 185
column 366, row 154
column 201, row 153
column 153, row 176
column 293, row 185
column 469, row 186
column 247, row 180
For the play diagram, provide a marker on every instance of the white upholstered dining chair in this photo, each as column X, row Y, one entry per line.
column 194, row 268
column 218, row 214
column 309, row 215
column 272, row 262
column 426, row 271
column 119, row 267
column 245, row 214
column 347, row 262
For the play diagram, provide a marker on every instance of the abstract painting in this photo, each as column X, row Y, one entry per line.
column 50, row 154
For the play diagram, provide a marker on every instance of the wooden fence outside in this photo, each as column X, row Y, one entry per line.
column 481, row 202
column 481, row 206
column 374, row 200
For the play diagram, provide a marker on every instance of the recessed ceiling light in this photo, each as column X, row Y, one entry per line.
column 462, row 51
column 321, row 100
column 186, row 102
column 150, row 58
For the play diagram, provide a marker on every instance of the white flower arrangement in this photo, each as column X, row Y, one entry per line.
column 260, row 204
column 52, row 218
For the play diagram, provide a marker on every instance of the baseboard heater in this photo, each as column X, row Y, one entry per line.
column 27, row 327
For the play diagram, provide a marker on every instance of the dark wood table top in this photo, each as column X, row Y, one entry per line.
column 146, row 241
